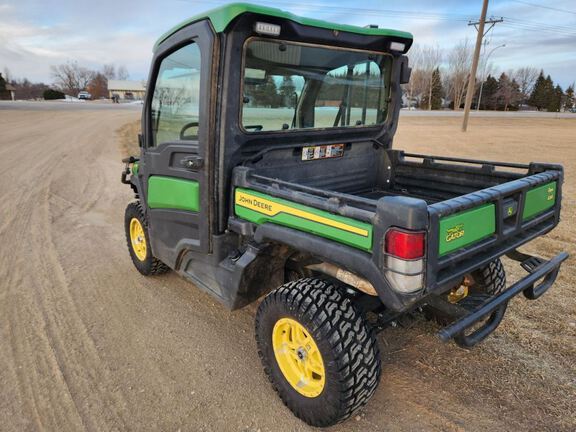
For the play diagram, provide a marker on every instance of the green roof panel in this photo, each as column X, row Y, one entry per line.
column 222, row 16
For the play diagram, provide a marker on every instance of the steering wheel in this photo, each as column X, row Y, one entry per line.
column 185, row 128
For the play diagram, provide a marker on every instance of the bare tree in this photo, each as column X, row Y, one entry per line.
column 98, row 86
column 526, row 78
column 109, row 71
column 71, row 78
column 122, row 73
column 411, row 89
column 459, row 60
column 7, row 74
column 431, row 57
column 508, row 91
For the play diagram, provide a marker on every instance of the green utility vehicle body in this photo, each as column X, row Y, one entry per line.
column 243, row 185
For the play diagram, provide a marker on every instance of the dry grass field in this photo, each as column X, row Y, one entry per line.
column 86, row 343
column 528, row 369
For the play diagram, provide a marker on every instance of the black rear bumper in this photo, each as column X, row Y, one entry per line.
column 495, row 307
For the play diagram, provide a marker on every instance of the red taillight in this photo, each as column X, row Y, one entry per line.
column 405, row 244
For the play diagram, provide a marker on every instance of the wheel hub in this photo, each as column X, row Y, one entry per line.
column 138, row 239
column 298, row 357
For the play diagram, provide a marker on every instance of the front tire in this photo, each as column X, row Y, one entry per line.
column 136, row 227
column 319, row 353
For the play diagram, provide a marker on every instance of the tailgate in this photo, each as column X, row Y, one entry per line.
column 471, row 230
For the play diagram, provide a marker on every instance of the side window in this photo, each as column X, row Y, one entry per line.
column 176, row 99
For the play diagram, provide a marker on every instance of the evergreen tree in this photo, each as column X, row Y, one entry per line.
column 489, row 93
column 555, row 99
column 265, row 94
column 4, row 94
column 435, row 102
column 550, row 92
column 287, row 92
column 538, row 98
column 569, row 98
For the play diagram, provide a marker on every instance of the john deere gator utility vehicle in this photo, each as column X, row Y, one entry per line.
column 267, row 169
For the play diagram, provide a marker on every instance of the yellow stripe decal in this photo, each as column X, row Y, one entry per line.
column 271, row 208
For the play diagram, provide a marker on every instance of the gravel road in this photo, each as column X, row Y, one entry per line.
column 87, row 343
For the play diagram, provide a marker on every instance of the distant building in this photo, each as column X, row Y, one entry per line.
column 12, row 90
column 6, row 90
column 127, row 89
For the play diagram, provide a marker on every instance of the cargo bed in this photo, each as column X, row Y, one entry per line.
column 473, row 211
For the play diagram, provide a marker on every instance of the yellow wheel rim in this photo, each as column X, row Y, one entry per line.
column 298, row 357
column 138, row 239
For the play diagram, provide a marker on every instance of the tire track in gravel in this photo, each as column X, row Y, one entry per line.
column 60, row 388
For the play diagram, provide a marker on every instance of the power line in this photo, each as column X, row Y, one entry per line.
column 552, row 26
column 330, row 9
column 491, row 22
column 526, row 25
column 517, row 24
column 544, row 7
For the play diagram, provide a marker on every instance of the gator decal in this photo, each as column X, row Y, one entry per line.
column 173, row 193
column 467, row 227
column 539, row 199
column 455, row 233
column 259, row 208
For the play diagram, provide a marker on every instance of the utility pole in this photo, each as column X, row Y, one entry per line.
column 472, row 80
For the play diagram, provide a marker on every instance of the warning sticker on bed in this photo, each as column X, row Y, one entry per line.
column 322, row 152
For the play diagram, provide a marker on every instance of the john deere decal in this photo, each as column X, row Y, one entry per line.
column 260, row 208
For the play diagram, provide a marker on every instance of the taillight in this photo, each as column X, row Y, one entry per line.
column 405, row 244
column 404, row 252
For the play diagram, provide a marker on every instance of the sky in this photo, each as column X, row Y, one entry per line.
column 35, row 34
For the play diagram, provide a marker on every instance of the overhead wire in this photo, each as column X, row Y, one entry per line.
column 543, row 6
column 514, row 23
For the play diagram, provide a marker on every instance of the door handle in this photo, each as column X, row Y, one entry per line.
column 192, row 163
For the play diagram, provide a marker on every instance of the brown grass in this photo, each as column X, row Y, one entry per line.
column 128, row 138
column 528, row 368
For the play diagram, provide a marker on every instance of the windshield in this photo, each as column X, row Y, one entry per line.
column 289, row 86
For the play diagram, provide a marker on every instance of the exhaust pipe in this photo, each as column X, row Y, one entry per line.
column 345, row 276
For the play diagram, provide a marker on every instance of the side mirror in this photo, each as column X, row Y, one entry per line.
column 405, row 70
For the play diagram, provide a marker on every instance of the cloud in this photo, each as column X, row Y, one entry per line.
column 35, row 34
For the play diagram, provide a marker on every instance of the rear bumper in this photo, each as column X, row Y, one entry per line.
column 495, row 308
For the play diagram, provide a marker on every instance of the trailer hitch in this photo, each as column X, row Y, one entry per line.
column 495, row 307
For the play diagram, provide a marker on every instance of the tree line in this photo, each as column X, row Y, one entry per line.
column 68, row 79
column 441, row 81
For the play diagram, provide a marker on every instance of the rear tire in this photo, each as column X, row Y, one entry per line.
column 349, row 357
column 487, row 282
column 136, row 227
column 490, row 279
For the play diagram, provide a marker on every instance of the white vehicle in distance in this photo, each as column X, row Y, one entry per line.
column 84, row 95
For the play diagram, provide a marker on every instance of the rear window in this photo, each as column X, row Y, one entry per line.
column 289, row 86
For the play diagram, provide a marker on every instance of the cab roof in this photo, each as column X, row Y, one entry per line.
column 222, row 16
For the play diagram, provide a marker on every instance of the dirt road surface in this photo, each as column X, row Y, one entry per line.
column 86, row 343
